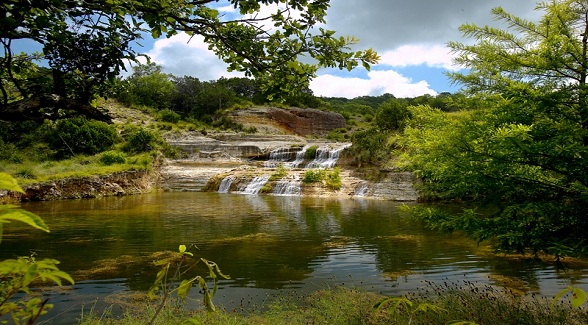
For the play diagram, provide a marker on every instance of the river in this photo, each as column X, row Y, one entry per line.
column 269, row 245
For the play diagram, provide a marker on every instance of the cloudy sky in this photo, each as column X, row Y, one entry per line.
column 410, row 37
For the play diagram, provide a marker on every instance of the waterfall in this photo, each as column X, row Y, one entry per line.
column 277, row 157
column 281, row 156
column 361, row 190
column 299, row 157
column 225, row 184
column 288, row 187
column 326, row 157
column 255, row 185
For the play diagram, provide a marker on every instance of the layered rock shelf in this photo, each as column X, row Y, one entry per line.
column 248, row 165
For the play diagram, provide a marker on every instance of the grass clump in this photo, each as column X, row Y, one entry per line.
column 310, row 152
column 280, row 173
column 112, row 157
column 331, row 178
column 464, row 303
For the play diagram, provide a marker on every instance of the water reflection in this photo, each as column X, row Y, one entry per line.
column 266, row 243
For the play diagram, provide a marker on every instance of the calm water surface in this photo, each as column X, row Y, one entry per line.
column 268, row 244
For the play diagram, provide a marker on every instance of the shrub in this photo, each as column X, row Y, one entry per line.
column 81, row 136
column 280, row 173
column 310, row 152
column 333, row 179
column 168, row 115
column 313, row 176
column 113, row 157
column 141, row 140
column 392, row 115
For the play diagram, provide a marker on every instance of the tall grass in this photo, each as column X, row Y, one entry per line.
column 465, row 302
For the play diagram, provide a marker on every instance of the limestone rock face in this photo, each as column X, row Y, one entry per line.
column 121, row 183
column 298, row 121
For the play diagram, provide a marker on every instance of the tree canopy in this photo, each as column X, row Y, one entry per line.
column 521, row 154
column 87, row 43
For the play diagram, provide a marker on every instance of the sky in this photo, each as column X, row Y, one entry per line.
column 410, row 36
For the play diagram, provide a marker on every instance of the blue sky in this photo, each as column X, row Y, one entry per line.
column 410, row 37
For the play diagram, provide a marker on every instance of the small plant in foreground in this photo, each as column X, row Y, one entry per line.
column 164, row 287
column 16, row 275
column 401, row 303
column 578, row 296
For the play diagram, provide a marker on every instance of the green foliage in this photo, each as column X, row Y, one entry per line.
column 369, row 146
column 333, row 178
column 522, row 152
column 339, row 135
column 16, row 275
column 280, row 173
column 392, row 115
column 164, row 285
column 395, row 303
column 140, row 140
column 147, row 86
column 113, row 157
column 313, row 176
column 86, row 45
column 578, row 296
column 81, row 136
column 169, row 116
column 310, row 152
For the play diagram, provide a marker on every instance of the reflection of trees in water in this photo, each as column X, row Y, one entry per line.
column 261, row 241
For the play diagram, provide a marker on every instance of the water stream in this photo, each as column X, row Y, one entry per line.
column 269, row 245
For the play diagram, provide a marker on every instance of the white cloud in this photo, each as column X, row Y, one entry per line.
column 378, row 82
column 436, row 56
column 181, row 55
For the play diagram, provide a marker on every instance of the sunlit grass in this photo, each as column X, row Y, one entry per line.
column 81, row 166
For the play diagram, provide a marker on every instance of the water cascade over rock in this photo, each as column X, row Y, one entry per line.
column 275, row 165
column 254, row 187
column 288, row 187
column 225, row 184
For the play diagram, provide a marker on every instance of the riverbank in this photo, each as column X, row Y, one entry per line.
column 464, row 303
column 115, row 184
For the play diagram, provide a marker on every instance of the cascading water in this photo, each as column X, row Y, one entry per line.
column 277, row 157
column 299, row 157
column 225, row 184
column 288, row 187
column 326, row 157
column 361, row 190
column 254, row 187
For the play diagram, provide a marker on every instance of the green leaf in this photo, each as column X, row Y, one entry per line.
column 25, row 216
column 8, row 182
column 578, row 297
column 184, row 289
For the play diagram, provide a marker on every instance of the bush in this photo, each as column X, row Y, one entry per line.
column 81, row 136
column 392, row 115
column 169, row 116
column 113, row 157
column 310, row 152
column 313, row 176
column 333, row 179
column 140, row 141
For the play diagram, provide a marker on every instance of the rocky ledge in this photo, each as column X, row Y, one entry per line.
column 122, row 183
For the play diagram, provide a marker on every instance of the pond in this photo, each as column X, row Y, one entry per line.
column 269, row 245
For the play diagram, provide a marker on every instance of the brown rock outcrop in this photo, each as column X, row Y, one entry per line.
column 300, row 121
column 122, row 183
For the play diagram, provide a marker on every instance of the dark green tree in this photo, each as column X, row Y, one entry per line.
column 87, row 44
column 392, row 115
column 522, row 154
column 148, row 86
